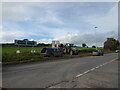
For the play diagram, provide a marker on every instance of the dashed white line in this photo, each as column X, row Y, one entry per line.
column 79, row 75
column 94, row 68
column 97, row 67
column 87, row 70
column 101, row 65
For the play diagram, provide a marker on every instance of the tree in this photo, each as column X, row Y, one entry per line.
column 93, row 46
column 111, row 44
column 84, row 45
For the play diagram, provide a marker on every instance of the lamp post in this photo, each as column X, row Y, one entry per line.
column 95, row 37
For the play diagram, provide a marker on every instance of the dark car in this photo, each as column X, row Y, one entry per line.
column 97, row 53
column 51, row 52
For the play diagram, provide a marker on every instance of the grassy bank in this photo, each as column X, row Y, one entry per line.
column 9, row 49
column 28, row 57
column 9, row 55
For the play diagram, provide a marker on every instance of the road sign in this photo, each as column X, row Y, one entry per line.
column 25, row 43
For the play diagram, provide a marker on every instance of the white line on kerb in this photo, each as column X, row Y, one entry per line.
column 94, row 68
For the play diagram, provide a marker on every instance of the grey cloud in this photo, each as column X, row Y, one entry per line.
column 91, row 39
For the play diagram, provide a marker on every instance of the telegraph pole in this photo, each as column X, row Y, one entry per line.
column 96, row 37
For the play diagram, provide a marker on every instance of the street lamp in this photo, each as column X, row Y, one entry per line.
column 95, row 36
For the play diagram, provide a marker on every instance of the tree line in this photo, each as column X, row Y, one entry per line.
column 111, row 44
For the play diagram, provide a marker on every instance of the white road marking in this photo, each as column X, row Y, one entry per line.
column 94, row 68
column 88, row 71
column 79, row 75
column 85, row 72
column 97, row 67
column 101, row 65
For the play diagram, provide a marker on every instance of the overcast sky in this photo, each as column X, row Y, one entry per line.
column 71, row 22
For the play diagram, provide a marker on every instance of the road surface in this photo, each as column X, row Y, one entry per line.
column 48, row 74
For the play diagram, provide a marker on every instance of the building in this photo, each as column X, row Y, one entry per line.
column 55, row 44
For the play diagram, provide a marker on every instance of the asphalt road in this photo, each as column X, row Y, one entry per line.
column 44, row 75
column 105, row 76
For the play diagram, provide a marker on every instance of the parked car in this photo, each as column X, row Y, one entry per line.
column 51, row 52
column 117, row 51
column 97, row 53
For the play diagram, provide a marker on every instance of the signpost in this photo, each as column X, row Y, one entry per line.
column 25, row 42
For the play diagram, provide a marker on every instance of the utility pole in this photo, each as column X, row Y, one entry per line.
column 96, row 37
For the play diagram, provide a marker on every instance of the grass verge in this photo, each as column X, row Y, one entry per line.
column 9, row 55
column 28, row 57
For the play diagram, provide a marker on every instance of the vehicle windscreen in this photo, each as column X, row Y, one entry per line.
column 95, row 51
column 43, row 50
column 54, row 49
